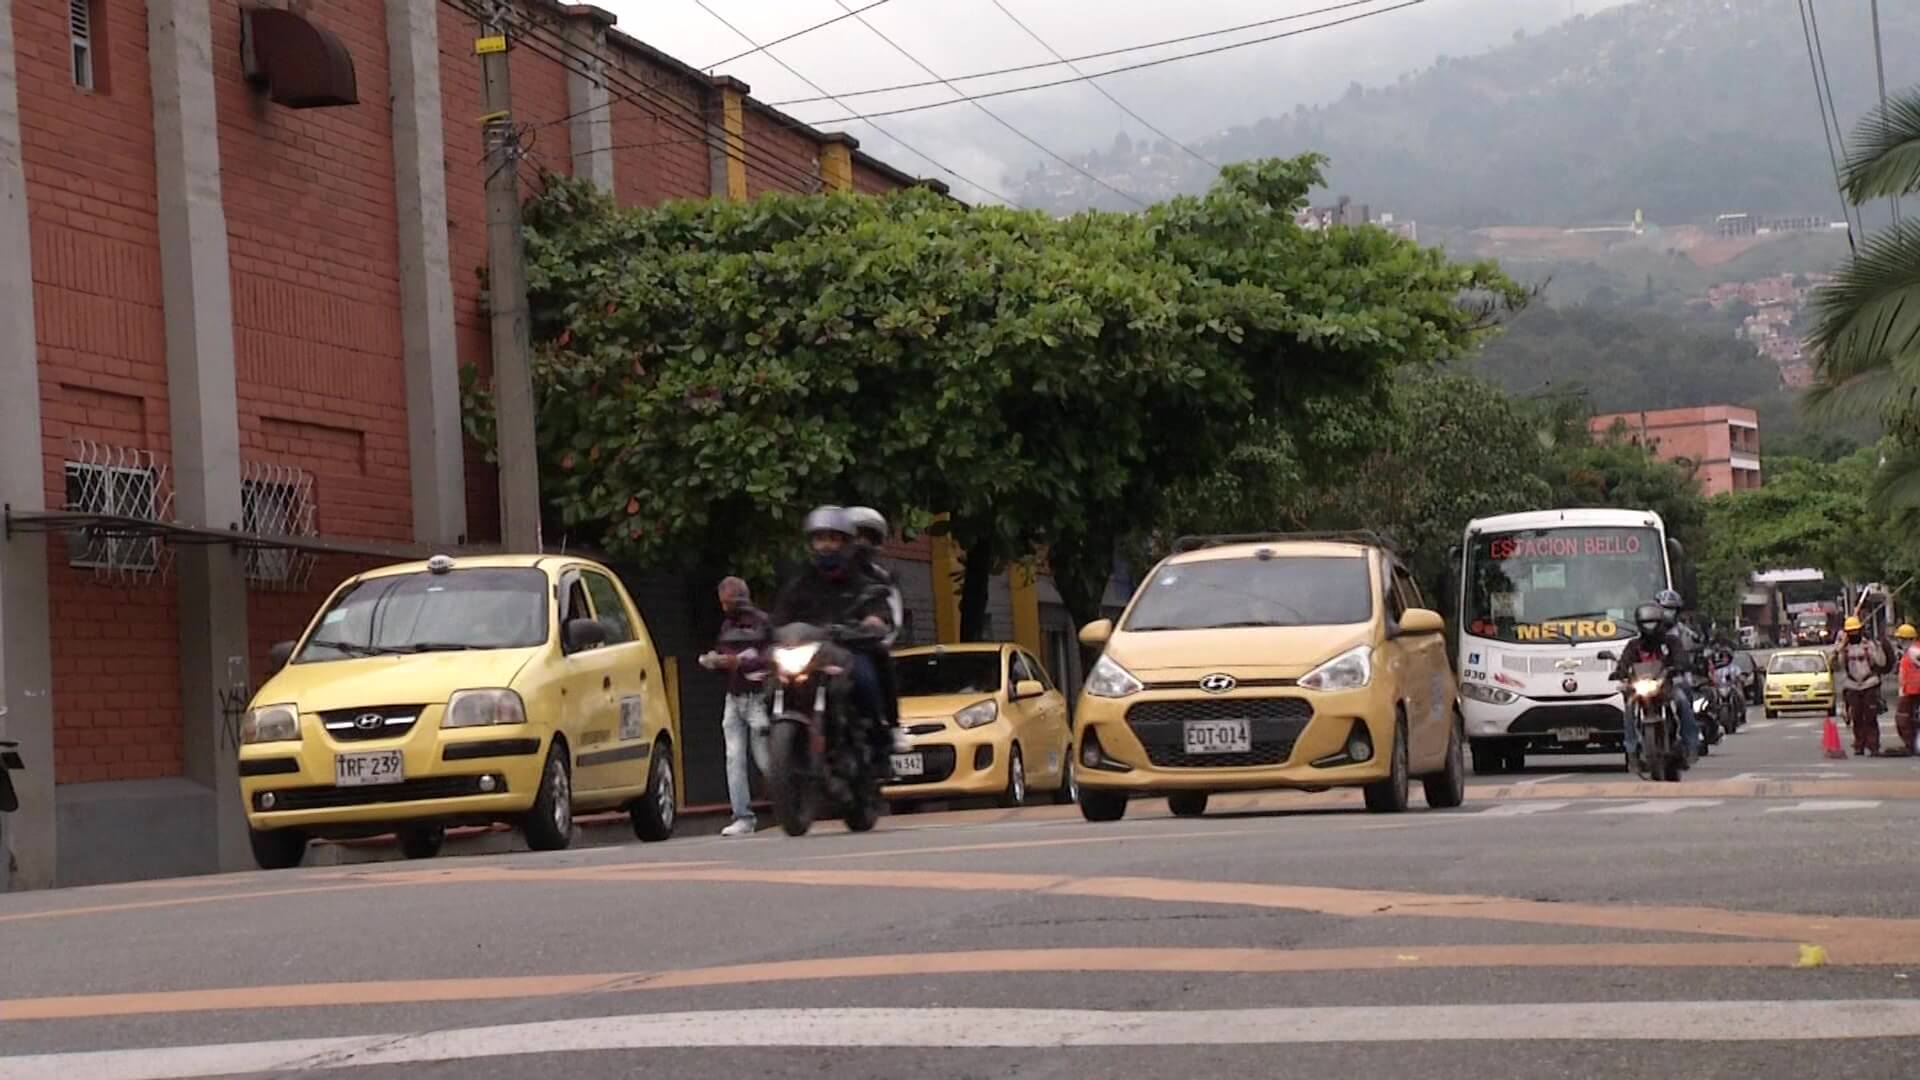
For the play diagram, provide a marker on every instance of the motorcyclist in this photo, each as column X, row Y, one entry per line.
column 869, row 532
column 1686, row 641
column 833, row 590
column 1653, row 641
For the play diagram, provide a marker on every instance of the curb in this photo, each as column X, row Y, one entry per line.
column 590, row 831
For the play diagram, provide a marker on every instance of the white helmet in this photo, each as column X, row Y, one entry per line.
column 866, row 520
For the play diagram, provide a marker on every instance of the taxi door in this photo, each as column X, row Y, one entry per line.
column 1040, row 721
column 586, row 690
column 1427, row 677
column 634, row 692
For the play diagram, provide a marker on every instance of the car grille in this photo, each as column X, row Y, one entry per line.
column 433, row 787
column 1540, row 721
column 936, row 760
column 926, row 729
column 395, row 720
column 1275, row 725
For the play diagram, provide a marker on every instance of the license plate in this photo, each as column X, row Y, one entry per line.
column 1218, row 737
column 909, row 765
column 1572, row 734
column 374, row 767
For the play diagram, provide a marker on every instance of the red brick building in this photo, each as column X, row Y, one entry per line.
column 1721, row 442
column 239, row 244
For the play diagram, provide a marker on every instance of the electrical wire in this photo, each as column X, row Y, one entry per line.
column 1880, row 69
column 850, row 110
column 1121, row 105
column 1102, row 55
column 994, row 116
column 796, row 34
column 1826, row 130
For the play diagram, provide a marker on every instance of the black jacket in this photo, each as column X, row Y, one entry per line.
column 822, row 601
column 1637, row 651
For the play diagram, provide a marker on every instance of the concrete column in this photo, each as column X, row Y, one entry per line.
column 198, row 301
column 26, row 680
column 434, row 440
column 727, row 138
column 591, row 129
column 836, row 161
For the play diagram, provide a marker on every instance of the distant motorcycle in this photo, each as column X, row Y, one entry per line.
column 1650, row 705
column 825, row 754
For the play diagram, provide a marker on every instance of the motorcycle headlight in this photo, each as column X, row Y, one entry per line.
column 1491, row 695
column 483, row 708
column 1109, row 680
column 794, row 659
column 271, row 723
column 1646, row 687
column 979, row 714
column 1351, row 670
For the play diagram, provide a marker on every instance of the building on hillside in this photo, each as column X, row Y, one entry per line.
column 239, row 255
column 1720, row 442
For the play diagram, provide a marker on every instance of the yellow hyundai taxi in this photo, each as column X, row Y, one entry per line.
column 985, row 720
column 521, row 689
column 1272, row 661
column 1799, row 680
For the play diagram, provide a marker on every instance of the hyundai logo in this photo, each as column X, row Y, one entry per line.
column 367, row 721
column 1218, row 683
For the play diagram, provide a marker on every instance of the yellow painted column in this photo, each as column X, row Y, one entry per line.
column 836, row 163
column 733, row 125
column 1023, row 585
column 946, row 589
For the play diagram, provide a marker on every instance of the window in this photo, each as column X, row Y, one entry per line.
column 1216, row 594
column 113, row 491
column 1409, row 592
column 1017, row 671
column 273, row 509
column 937, row 674
column 609, row 607
column 415, row 613
column 1036, row 671
column 80, row 21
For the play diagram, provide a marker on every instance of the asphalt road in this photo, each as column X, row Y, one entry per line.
column 1567, row 922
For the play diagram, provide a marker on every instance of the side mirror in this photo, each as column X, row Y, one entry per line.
column 1095, row 634
column 1422, row 621
column 279, row 656
column 1027, row 688
column 584, row 634
column 1608, row 655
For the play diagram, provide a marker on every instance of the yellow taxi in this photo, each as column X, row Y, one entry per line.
column 985, row 719
column 1244, row 663
column 520, row 689
column 1799, row 680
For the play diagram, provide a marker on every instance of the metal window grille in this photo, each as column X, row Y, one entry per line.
column 80, row 20
column 277, row 500
column 117, row 482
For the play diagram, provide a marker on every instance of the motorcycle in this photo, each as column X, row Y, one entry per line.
column 824, row 754
column 1650, row 705
column 1731, row 696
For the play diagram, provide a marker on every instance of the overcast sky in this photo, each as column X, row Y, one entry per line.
column 1188, row 99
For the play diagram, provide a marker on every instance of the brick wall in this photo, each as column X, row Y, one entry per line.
column 868, row 180
column 659, row 140
column 783, row 159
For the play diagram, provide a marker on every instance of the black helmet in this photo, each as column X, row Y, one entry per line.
column 1651, row 619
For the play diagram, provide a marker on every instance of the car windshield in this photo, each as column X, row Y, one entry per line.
column 935, row 674
column 1802, row 664
column 1561, row 584
column 1212, row 594
column 424, row 612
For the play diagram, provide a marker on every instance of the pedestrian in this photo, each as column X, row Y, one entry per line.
column 1903, row 715
column 1858, row 659
column 745, row 637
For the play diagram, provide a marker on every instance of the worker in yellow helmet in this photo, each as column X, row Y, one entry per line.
column 1909, row 704
column 1858, row 660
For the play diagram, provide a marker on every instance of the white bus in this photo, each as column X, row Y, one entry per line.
column 1541, row 594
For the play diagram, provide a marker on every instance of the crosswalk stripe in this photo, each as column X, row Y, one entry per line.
column 1823, row 805
column 1521, row 809
column 1657, row 806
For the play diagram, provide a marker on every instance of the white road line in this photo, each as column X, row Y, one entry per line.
column 1784, row 775
column 1658, row 806
column 1761, row 725
column 1711, row 1021
column 1804, row 725
column 1520, row 809
column 1541, row 780
column 1814, row 806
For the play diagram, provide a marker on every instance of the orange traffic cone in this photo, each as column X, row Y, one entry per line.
column 1830, row 740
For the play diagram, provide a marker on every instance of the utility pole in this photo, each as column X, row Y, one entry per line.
column 507, row 293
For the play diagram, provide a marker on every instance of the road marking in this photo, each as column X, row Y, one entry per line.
column 1761, row 725
column 1657, row 806
column 1781, row 776
column 1009, row 845
column 1541, row 780
column 1822, row 805
column 951, row 1028
column 1520, row 809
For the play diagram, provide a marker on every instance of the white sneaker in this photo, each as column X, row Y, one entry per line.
column 901, row 744
column 740, row 827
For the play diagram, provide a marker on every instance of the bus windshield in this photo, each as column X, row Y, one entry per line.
column 1561, row 584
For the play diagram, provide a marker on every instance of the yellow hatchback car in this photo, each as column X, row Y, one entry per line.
column 1274, row 661
column 1799, row 680
column 985, row 720
column 521, row 689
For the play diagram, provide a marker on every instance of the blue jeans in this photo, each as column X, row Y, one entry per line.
column 868, row 696
column 744, row 723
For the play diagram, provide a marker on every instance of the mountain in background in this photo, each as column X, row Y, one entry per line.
column 1683, row 109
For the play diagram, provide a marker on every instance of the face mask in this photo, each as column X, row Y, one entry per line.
column 830, row 562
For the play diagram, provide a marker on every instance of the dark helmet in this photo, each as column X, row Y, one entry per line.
column 1651, row 619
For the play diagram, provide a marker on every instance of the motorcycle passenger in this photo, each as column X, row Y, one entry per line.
column 1686, row 641
column 869, row 532
column 832, row 591
column 1653, row 642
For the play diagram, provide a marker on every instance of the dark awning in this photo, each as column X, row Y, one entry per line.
column 301, row 65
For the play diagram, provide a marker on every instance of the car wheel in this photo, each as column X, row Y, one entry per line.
column 1187, row 803
column 1389, row 796
column 655, row 812
column 549, row 825
column 1771, row 714
column 1097, row 804
column 1447, row 788
column 422, row 841
column 1069, row 789
column 278, row 849
column 1016, row 790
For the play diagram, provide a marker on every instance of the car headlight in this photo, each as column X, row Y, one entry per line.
column 271, row 723
column 794, row 659
column 978, row 714
column 484, row 708
column 1351, row 670
column 1109, row 680
column 1491, row 695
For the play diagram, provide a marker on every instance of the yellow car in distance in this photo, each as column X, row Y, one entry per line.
column 1244, row 663
column 1799, row 680
column 522, row 689
column 985, row 719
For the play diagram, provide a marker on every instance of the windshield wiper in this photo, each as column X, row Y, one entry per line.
column 1238, row 625
column 355, row 648
column 439, row 646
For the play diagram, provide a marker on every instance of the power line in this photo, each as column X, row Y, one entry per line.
column 1121, row 105
column 783, row 40
column 1826, row 131
column 996, row 117
column 1880, row 69
column 1137, row 67
column 850, row 110
column 1022, row 68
